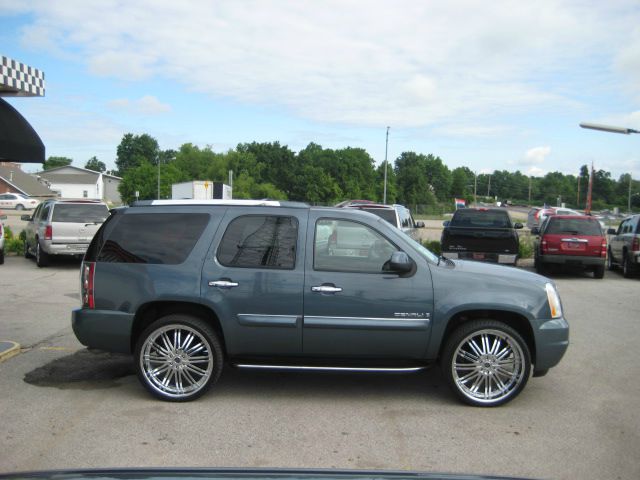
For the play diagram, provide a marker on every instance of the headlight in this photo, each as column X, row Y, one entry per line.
column 554, row 301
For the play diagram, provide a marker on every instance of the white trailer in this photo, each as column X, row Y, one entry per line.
column 196, row 190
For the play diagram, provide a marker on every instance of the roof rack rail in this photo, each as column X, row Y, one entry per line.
column 257, row 203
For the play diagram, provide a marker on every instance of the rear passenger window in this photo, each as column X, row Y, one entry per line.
column 165, row 238
column 260, row 241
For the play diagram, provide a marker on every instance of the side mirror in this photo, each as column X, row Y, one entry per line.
column 535, row 231
column 446, row 223
column 611, row 231
column 400, row 262
column 420, row 224
column 26, row 218
column 517, row 225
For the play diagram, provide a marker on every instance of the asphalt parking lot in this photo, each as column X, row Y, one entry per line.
column 64, row 406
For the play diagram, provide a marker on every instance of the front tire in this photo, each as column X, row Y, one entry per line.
column 178, row 358
column 486, row 363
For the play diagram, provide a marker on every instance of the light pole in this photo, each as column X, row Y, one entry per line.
column 612, row 129
column 386, row 149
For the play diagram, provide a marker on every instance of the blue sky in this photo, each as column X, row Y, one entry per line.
column 489, row 85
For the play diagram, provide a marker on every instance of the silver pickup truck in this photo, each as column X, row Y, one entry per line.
column 62, row 227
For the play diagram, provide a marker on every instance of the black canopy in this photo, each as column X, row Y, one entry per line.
column 19, row 142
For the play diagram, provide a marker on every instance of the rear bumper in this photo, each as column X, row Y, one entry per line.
column 552, row 341
column 64, row 248
column 507, row 258
column 573, row 260
column 103, row 329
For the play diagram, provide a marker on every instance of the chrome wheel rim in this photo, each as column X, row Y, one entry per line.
column 176, row 360
column 488, row 366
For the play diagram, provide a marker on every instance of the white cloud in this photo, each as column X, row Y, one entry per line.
column 407, row 64
column 537, row 155
column 535, row 172
column 146, row 105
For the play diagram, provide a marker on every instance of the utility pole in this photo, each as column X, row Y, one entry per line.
column 158, row 177
column 578, row 199
column 489, row 185
column 475, row 189
column 629, row 203
column 386, row 149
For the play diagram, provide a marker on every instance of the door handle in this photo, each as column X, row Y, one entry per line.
column 326, row 289
column 223, row 284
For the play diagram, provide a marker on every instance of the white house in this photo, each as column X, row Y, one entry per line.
column 75, row 182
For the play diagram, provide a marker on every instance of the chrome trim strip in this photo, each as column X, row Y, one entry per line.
column 575, row 240
column 260, row 320
column 366, row 323
column 339, row 369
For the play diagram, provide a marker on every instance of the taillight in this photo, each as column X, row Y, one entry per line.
column 603, row 248
column 635, row 246
column 86, row 279
column 48, row 232
column 545, row 247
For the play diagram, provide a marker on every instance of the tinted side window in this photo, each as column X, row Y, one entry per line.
column 159, row 238
column 345, row 246
column 260, row 241
column 44, row 213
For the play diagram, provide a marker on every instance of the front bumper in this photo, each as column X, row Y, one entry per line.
column 552, row 341
column 103, row 329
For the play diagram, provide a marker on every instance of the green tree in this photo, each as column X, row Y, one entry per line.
column 438, row 176
column 136, row 149
column 411, row 179
column 55, row 162
column 141, row 178
column 278, row 164
column 96, row 165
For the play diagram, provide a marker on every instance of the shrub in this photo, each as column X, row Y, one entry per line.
column 525, row 250
column 433, row 245
column 8, row 233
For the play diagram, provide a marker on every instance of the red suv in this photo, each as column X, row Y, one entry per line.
column 571, row 241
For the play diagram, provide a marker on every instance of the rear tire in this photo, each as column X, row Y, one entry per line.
column 178, row 358
column 26, row 250
column 19, row 207
column 1, row 257
column 486, row 363
column 42, row 257
column 627, row 267
column 539, row 266
column 598, row 272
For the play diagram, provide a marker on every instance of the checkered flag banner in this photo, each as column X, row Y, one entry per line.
column 20, row 80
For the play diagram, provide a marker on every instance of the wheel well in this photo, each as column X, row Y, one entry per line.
column 515, row 321
column 151, row 312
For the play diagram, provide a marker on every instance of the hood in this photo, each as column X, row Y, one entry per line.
column 468, row 285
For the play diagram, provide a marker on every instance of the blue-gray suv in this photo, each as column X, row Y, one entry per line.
column 188, row 286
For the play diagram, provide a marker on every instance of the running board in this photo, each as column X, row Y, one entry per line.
column 331, row 369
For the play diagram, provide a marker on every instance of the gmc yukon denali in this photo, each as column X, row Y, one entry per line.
column 189, row 286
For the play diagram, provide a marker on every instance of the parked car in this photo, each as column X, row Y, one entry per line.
column 397, row 215
column 18, row 201
column 535, row 219
column 2, row 217
column 570, row 241
column 485, row 234
column 189, row 285
column 624, row 246
column 62, row 227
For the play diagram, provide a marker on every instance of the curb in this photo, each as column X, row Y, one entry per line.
column 8, row 349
